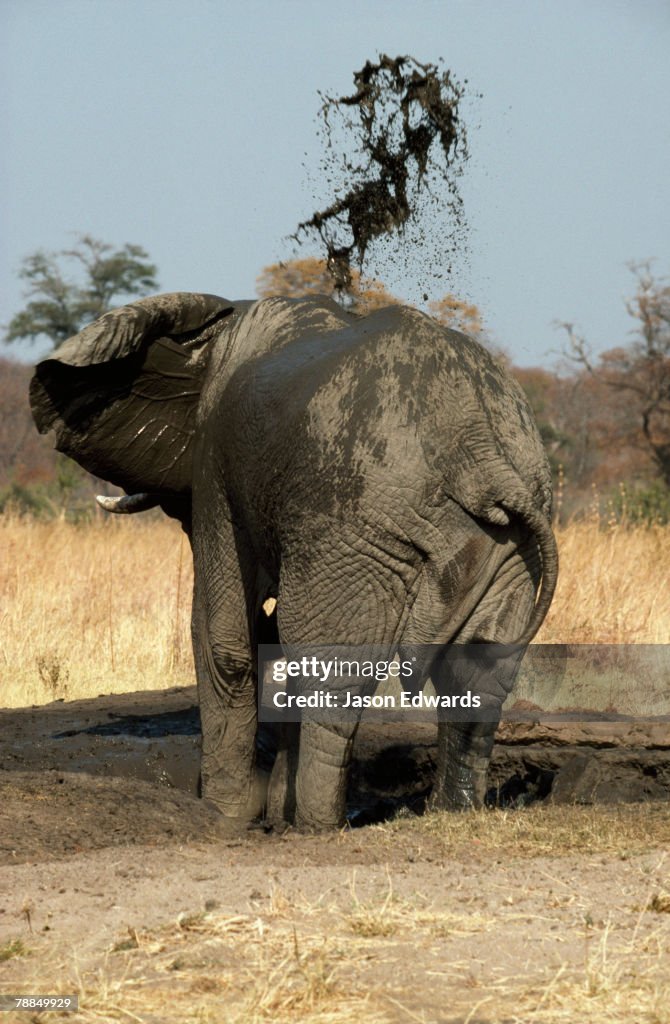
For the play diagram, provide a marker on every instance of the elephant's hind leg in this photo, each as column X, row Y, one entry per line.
column 492, row 581
column 345, row 598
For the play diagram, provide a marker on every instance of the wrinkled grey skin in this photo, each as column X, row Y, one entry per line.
column 380, row 476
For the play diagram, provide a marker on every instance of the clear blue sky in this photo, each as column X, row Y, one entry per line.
column 186, row 127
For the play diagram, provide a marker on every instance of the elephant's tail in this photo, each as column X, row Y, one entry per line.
column 518, row 504
column 538, row 524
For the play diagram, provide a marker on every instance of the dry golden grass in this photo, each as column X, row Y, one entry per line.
column 104, row 607
column 621, row 830
column 612, row 587
column 90, row 609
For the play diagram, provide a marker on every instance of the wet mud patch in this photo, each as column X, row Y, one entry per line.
column 124, row 769
column 598, row 759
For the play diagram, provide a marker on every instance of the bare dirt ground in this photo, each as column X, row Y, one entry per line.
column 117, row 884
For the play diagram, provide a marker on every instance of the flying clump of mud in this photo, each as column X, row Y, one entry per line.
column 394, row 146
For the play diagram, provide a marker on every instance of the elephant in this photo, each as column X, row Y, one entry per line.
column 379, row 476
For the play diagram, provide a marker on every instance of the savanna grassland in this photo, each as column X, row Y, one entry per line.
column 540, row 914
column 95, row 608
column 104, row 607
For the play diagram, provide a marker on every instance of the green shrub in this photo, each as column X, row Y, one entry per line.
column 31, row 501
column 645, row 505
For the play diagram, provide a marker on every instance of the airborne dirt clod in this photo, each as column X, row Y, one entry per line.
column 395, row 145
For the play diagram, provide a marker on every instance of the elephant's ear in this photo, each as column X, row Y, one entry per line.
column 122, row 394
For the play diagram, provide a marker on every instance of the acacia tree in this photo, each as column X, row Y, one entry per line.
column 640, row 372
column 311, row 276
column 456, row 313
column 61, row 304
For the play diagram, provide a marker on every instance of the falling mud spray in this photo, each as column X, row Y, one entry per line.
column 394, row 151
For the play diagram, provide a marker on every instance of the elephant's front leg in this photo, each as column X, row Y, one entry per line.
column 226, row 676
column 227, row 695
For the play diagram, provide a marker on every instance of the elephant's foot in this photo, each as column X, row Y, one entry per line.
column 321, row 808
column 463, row 755
column 277, row 826
column 241, row 804
column 321, row 779
column 229, row 827
column 280, row 826
column 311, row 826
column 325, row 815
column 463, row 789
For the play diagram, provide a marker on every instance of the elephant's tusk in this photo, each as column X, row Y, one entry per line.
column 269, row 606
column 128, row 503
